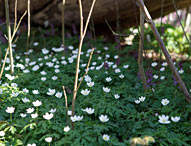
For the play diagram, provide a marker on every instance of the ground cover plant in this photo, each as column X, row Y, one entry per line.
column 112, row 107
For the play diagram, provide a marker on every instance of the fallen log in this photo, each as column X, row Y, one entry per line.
column 50, row 11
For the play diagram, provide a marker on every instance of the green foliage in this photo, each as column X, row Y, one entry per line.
column 126, row 118
column 173, row 37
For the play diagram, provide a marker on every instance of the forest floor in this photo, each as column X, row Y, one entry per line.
column 112, row 107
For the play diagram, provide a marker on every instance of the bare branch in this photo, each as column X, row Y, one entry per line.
column 117, row 34
column 87, row 68
column 3, row 66
column 15, row 24
column 82, row 34
column 17, row 27
column 163, row 48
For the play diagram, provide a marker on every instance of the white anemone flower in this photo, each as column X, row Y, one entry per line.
column 35, row 68
column 35, row 91
column 51, row 92
column 175, row 119
column 2, row 133
column 54, row 78
column 48, row 139
column 26, row 71
column 154, row 64
column 52, row 110
column 66, row 129
column 165, row 102
column 89, row 110
column 37, row 103
column 88, row 78
column 162, row 77
column 30, row 110
column 10, row 110
column 23, row 115
column 10, row 77
column 69, row 113
column 34, row 115
column 117, row 70
column 142, row 99
column 105, row 137
column 108, row 79
column 162, row 69
column 121, row 76
column 155, row 76
column 48, row 116
column 103, row 118
column 164, row 119
column 106, row 89
column 35, row 44
column 90, row 84
column 117, row 96
column 164, row 64
column 25, row 100
column 25, row 90
column 126, row 66
column 85, row 92
column 76, row 118
column 58, row 94
column 43, row 73
column 181, row 71
column 137, row 101
column 43, row 78
column 14, row 94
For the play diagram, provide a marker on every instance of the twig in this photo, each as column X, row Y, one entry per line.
column 117, row 34
column 88, row 19
column 81, row 19
column 3, row 66
column 87, row 68
column 162, row 46
column 63, row 27
column 66, row 103
column 92, row 27
column 141, row 45
column 161, row 26
column 17, row 27
column 15, row 15
column 117, row 16
column 0, row 55
column 188, row 41
column 28, row 34
column 161, row 15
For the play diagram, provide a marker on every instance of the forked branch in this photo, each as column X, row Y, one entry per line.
column 82, row 35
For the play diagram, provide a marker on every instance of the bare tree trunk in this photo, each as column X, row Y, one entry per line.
column 9, row 36
column 141, row 46
column 162, row 46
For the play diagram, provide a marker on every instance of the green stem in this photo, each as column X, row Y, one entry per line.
column 49, row 144
column 11, row 117
column 37, row 109
column 49, row 123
